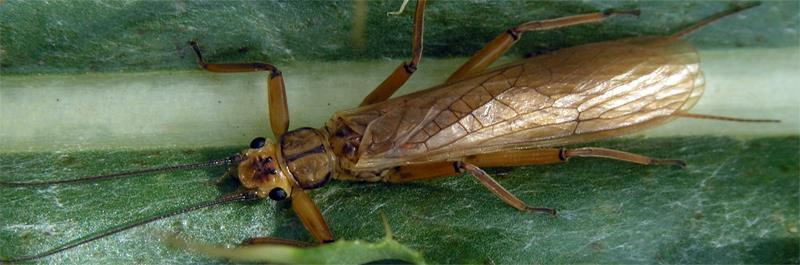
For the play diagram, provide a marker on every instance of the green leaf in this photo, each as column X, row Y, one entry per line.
column 339, row 252
column 736, row 202
column 89, row 36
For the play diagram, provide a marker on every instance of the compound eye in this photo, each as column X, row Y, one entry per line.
column 277, row 194
column 258, row 142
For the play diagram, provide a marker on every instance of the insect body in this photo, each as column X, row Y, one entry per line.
column 517, row 114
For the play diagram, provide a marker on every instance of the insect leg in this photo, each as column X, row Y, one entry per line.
column 539, row 156
column 500, row 44
column 543, row 156
column 618, row 155
column 310, row 215
column 276, row 96
column 403, row 72
column 513, row 158
column 501, row 192
column 449, row 168
column 432, row 170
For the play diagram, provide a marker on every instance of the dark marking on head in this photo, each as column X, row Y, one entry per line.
column 265, row 168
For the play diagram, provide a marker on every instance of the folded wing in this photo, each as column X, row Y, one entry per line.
column 573, row 95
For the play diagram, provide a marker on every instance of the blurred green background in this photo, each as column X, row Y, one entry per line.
column 90, row 87
column 92, row 36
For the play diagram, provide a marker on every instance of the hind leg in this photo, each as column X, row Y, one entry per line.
column 500, row 44
column 472, row 164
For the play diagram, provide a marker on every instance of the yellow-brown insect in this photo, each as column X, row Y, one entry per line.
column 517, row 114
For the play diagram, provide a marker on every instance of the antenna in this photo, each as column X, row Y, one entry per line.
column 239, row 197
column 696, row 26
column 721, row 118
column 211, row 163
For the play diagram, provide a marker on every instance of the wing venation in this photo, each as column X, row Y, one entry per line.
column 569, row 96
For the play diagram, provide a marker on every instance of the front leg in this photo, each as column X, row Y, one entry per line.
column 312, row 219
column 276, row 91
column 309, row 214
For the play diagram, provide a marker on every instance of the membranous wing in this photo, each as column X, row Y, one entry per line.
column 569, row 96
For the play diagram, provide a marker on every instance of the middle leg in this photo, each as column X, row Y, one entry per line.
column 403, row 72
column 500, row 44
column 444, row 169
